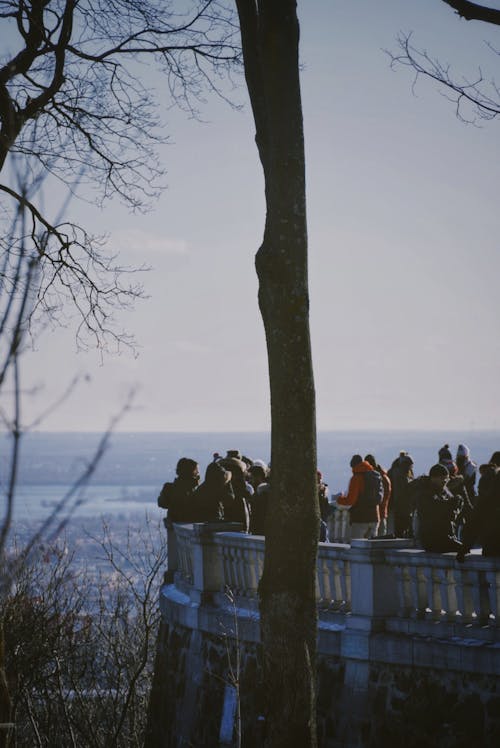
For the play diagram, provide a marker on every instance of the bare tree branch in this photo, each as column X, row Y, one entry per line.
column 474, row 99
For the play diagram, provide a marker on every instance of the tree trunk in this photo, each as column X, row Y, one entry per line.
column 270, row 37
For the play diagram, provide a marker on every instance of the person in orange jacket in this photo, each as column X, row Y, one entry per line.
column 364, row 513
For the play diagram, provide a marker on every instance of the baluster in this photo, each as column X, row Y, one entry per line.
column 467, row 596
column 320, row 580
column 337, row 582
column 414, row 585
column 429, row 592
column 345, row 528
column 254, row 572
column 400, row 587
column 239, row 573
column 484, row 599
column 437, row 594
column 229, row 574
column 493, row 578
column 421, row 592
column 346, row 584
column 449, row 594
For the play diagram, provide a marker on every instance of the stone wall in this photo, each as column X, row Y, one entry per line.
column 359, row 704
column 407, row 660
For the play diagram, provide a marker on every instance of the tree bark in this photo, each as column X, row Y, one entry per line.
column 270, row 39
column 475, row 11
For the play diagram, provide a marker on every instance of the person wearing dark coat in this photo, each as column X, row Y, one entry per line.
column 401, row 508
column 177, row 497
column 259, row 480
column 468, row 469
column 483, row 526
column 236, row 508
column 446, row 459
column 215, row 491
column 437, row 512
column 384, row 506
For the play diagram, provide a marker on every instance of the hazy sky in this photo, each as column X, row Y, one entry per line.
column 403, row 234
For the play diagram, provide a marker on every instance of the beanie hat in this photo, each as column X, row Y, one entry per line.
column 463, row 450
column 234, row 464
column 260, row 463
column 444, row 453
column 355, row 460
column 438, row 471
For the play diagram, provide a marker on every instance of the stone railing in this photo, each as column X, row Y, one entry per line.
column 432, row 588
column 382, row 584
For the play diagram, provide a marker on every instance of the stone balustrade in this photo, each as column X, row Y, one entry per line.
column 434, row 588
column 381, row 583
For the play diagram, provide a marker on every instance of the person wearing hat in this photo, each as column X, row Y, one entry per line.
column 468, row 470
column 446, row 459
column 437, row 512
column 237, row 509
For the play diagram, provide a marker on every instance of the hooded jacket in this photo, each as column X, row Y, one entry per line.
column 361, row 511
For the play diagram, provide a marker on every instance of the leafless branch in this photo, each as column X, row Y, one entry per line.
column 474, row 99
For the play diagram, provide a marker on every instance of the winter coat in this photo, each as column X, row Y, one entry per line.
column 468, row 470
column 401, row 478
column 361, row 510
column 177, row 498
column 209, row 498
column 258, row 509
column 437, row 514
column 484, row 523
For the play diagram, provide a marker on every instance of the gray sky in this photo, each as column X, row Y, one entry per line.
column 403, row 237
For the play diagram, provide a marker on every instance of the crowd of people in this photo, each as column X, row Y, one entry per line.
column 451, row 509
column 235, row 489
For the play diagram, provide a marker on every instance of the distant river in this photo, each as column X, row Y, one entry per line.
column 34, row 503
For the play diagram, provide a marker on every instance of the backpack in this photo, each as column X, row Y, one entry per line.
column 373, row 492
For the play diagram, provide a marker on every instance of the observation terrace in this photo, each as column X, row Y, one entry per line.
column 408, row 641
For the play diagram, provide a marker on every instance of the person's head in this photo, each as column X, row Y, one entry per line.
column 217, row 475
column 237, row 467
column 463, row 455
column 405, row 463
column 257, row 474
column 445, row 454
column 370, row 459
column 188, row 468
column 495, row 458
column 439, row 475
column 355, row 460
